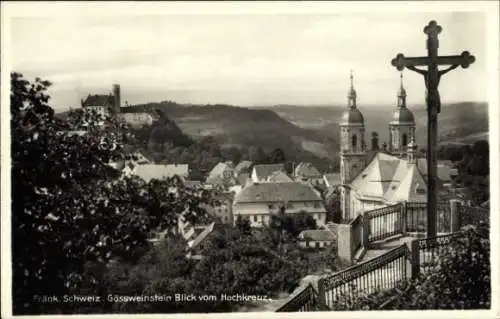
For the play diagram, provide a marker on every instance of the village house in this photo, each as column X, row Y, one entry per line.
column 99, row 104
column 222, row 175
column 261, row 172
column 316, row 238
column 306, row 172
column 279, row 177
column 258, row 201
column 147, row 172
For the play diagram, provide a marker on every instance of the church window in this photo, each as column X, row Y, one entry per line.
column 354, row 141
column 404, row 140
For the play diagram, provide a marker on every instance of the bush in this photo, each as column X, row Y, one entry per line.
column 459, row 280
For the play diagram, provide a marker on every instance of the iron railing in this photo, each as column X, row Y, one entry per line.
column 382, row 272
column 416, row 216
column 304, row 299
column 384, row 222
column 431, row 248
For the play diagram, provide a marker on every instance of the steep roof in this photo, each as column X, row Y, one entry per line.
column 216, row 175
column 264, row 170
column 306, row 170
column 279, row 177
column 277, row 192
column 159, row 171
column 391, row 179
column 98, row 100
column 412, row 188
column 317, row 235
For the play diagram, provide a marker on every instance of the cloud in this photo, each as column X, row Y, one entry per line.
column 247, row 59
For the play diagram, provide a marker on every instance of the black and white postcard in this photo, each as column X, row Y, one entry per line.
column 197, row 158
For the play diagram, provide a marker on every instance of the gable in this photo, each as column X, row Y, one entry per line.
column 307, row 170
column 412, row 188
column 262, row 171
column 279, row 177
column 375, row 178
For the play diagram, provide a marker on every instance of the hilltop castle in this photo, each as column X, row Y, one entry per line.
column 376, row 178
column 110, row 104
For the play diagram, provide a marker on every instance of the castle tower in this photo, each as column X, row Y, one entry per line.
column 401, row 126
column 116, row 98
column 353, row 147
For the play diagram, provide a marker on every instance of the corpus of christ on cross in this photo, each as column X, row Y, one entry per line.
column 432, row 76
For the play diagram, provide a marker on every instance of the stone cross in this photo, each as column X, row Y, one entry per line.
column 432, row 77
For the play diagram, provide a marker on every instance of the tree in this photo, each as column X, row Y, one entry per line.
column 257, row 155
column 243, row 225
column 238, row 263
column 69, row 210
column 374, row 140
column 278, row 156
column 333, row 206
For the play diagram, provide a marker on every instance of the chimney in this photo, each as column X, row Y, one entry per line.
column 116, row 97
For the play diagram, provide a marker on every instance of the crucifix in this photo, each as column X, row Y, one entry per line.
column 432, row 77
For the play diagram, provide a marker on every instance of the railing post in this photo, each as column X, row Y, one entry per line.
column 321, row 293
column 344, row 242
column 455, row 222
column 415, row 258
column 404, row 218
column 365, row 221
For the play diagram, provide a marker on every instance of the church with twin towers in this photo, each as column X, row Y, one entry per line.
column 374, row 178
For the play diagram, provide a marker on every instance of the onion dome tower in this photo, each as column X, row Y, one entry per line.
column 353, row 146
column 402, row 125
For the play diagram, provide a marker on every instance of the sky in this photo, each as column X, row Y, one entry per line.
column 244, row 59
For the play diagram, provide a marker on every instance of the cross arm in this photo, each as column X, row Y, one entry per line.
column 464, row 60
column 448, row 69
column 416, row 70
